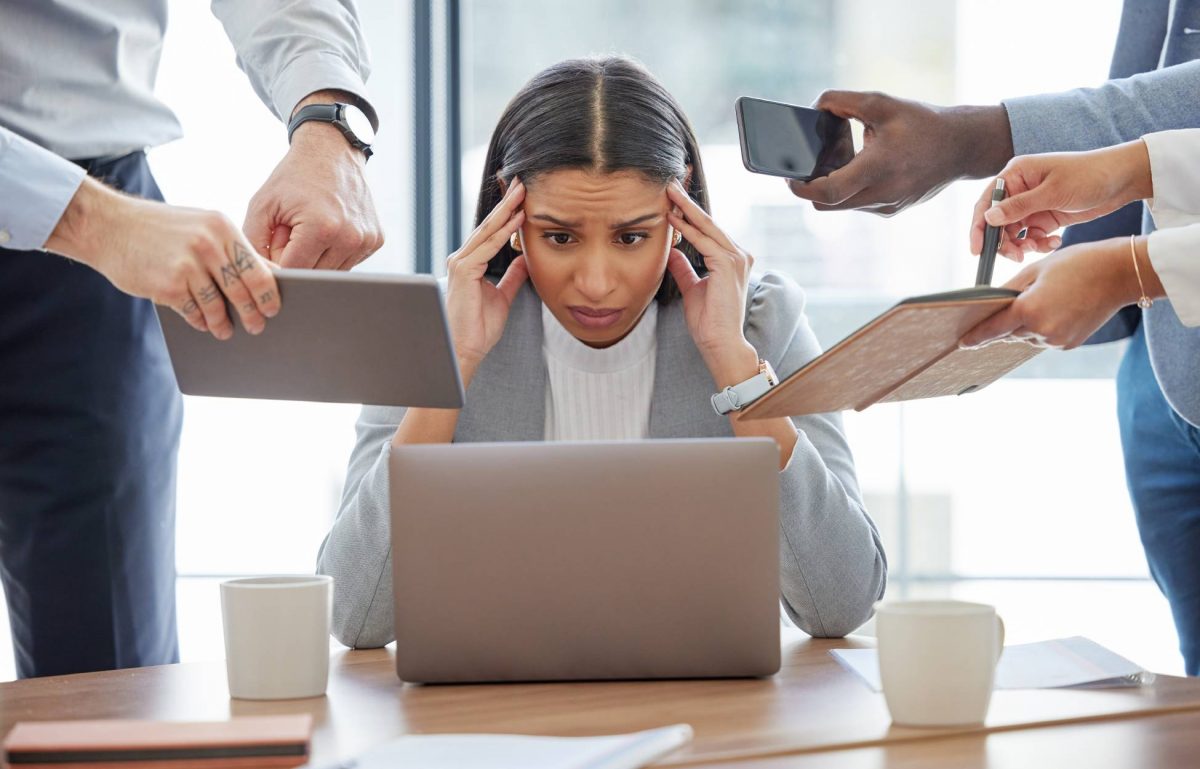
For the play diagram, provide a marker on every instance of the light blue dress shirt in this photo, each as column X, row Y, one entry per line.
column 77, row 81
column 37, row 186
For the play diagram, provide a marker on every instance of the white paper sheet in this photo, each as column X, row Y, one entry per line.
column 1063, row 662
column 510, row 751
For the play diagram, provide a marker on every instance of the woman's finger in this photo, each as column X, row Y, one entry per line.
column 681, row 269
column 497, row 217
column 485, row 251
column 698, row 216
column 703, row 243
column 514, row 277
column 996, row 327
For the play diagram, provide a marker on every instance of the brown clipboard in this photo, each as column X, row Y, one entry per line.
column 909, row 352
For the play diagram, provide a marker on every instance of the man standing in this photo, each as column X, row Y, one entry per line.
column 89, row 410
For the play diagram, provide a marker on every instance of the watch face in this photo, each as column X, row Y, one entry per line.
column 359, row 124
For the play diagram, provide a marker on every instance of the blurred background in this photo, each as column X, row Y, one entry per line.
column 1013, row 496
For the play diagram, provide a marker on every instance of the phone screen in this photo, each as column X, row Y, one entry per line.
column 790, row 141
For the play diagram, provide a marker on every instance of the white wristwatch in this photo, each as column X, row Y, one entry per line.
column 738, row 396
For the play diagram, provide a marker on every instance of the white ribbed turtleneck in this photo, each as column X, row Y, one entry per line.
column 599, row 394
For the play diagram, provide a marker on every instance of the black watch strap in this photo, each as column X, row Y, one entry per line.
column 328, row 113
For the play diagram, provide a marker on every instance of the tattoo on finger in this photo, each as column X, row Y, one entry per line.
column 249, row 307
column 208, row 294
column 189, row 307
column 266, row 297
column 243, row 260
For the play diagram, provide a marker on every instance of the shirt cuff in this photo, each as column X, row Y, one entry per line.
column 318, row 71
column 1173, row 156
column 1175, row 255
column 38, row 185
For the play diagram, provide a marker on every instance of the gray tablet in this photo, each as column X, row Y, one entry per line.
column 340, row 337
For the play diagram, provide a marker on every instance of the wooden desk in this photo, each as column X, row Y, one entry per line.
column 812, row 706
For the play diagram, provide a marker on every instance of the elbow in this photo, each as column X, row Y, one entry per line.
column 839, row 604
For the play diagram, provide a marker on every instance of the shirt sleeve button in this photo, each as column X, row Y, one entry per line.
column 5, row 236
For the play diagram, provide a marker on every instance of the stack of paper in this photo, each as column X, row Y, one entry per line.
column 509, row 751
column 1076, row 661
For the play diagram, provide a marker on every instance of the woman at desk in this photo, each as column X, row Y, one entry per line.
column 596, row 282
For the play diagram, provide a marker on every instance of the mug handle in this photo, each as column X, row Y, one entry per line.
column 1000, row 637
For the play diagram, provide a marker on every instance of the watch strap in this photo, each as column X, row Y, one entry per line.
column 328, row 113
column 738, row 396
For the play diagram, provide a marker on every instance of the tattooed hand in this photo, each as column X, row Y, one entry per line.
column 183, row 258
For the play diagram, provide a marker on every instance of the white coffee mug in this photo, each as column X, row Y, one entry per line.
column 937, row 660
column 277, row 636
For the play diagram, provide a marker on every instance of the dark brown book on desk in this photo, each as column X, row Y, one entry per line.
column 240, row 743
column 909, row 352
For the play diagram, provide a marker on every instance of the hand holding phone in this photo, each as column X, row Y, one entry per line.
column 793, row 142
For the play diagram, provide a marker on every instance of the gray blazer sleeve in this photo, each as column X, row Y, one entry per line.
column 1117, row 111
column 832, row 564
column 357, row 552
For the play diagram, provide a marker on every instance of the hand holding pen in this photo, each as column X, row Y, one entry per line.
column 1049, row 191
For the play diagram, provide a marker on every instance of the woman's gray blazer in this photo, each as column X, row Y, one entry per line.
column 832, row 566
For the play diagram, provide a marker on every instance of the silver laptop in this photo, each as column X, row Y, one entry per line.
column 586, row 561
column 341, row 337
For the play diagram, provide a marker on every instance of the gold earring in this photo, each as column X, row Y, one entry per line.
column 515, row 242
column 677, row 238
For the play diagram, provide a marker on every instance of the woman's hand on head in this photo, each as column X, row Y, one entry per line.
column 715, row 305
column 476, row 309
column 1050, row 191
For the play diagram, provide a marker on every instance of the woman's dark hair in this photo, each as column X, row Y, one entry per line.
column 600, row 114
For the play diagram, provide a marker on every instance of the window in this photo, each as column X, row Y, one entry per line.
column 1013, row 496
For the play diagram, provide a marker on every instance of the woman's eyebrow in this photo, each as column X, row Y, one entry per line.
column 639, row 220
column 555, row 221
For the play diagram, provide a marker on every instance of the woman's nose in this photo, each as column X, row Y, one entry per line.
column 594, row 277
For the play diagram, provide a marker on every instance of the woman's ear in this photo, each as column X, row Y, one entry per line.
column 504, row 185
column 687, row 180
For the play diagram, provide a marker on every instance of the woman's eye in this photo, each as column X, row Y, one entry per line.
column 558, row 238
column 631, row 238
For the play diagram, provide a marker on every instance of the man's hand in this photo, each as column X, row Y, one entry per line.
column 316, row 210
column 910, row 152
column 183, row 258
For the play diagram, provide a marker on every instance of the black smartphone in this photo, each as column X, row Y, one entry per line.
column 793, row 142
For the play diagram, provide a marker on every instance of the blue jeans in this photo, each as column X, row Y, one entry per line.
column 1162, row 468
column 89, row 429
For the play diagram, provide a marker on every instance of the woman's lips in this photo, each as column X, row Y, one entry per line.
column 593, row 317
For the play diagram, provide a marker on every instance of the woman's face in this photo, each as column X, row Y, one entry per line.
column 596, row 245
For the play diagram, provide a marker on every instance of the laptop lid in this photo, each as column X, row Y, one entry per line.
column 575, row 561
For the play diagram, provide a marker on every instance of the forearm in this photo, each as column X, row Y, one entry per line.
column 421, row 425
column 91, row 221
column 832, row 566
column 737, row 364
column 1118, row 111
column 980, row 140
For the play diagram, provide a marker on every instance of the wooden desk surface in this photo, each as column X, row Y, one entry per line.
column 813, row 705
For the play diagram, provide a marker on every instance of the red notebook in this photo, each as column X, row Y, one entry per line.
column 241, row 743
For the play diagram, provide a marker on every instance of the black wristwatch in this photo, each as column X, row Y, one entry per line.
column 350, row 120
